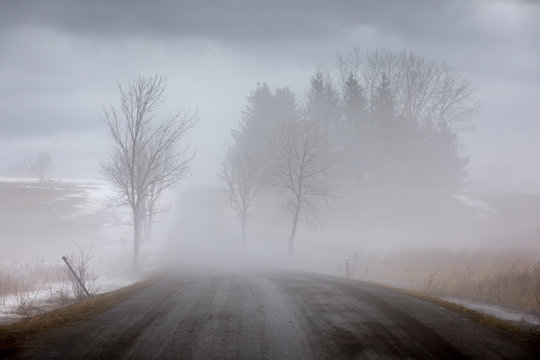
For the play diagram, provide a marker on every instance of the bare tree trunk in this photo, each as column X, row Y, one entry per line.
column 242, row 173
column 136, row 238
column 149, row 230
column 244, row 239
column 294, row 226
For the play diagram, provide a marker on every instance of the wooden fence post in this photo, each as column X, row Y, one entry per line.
column 75, row 274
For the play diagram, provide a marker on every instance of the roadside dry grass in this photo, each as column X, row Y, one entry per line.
column 22, row 280
column 529, row 335
column 16, row 276
column 12, row 335
column 478, row 316
column 504, row 277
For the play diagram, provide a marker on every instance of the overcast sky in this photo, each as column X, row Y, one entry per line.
column 60, row 61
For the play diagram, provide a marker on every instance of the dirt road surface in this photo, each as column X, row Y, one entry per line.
column 275, row 315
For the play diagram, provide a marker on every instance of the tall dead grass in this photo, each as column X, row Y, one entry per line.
column 22, row 280
column 502, row 277
column 13, row 273
column 8, row 284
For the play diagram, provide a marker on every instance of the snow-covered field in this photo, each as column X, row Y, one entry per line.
column 46, row 220
column 42, row 221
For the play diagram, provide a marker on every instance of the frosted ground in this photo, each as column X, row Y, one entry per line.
column 42, row 221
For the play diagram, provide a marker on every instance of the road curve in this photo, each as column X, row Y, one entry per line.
column 275, row 315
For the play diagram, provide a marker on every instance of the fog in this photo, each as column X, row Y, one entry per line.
column 461, row 177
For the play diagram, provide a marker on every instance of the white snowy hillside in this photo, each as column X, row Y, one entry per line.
column 49, row 219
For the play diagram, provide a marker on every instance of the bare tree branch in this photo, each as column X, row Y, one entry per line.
column 242, row 172
column 432, row 94
column 146, row 159
column 302, row 167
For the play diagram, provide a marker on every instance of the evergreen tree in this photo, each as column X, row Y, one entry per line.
column 314, row 107
column 383, row 110
column 323, row 107
column 285, row 107
column 442, row 165
column 383, row 120
column 354, row 104
column 355, row 133
column 256, row 121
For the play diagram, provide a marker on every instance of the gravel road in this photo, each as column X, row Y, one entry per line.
column 275, row 315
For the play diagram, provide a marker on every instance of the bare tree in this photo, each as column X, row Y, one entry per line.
column 302, row 168
column 349, row 65
column 152, row 207
column 43, row 166
column 150, row 210
column 146, row 157
column 39, row 166
column 242, row 172
column 432, row 94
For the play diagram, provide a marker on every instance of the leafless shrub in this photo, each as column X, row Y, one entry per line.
column 60, row 296
column 26, row 297
column 81, row 261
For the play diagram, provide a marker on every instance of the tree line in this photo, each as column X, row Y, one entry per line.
column 384, row 119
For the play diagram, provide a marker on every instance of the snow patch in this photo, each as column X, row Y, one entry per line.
column 483, row 209
column 97, row 196
column 43, row 299
column 19, row 180
column 499, row 312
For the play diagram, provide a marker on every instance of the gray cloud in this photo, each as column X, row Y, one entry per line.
column 60, row 60
column 465, row 30
column 251, row 21
column 238, row 20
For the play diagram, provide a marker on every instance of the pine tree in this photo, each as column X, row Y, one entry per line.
column 442, row 165
column 285, row 107
column 315, row 95
column 354, row 104
column 257, row 121
column 323, row 106
column 383, row 110
column 383, row 120
column 355, row 133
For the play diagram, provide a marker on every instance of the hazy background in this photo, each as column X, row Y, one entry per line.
column 61, row 60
